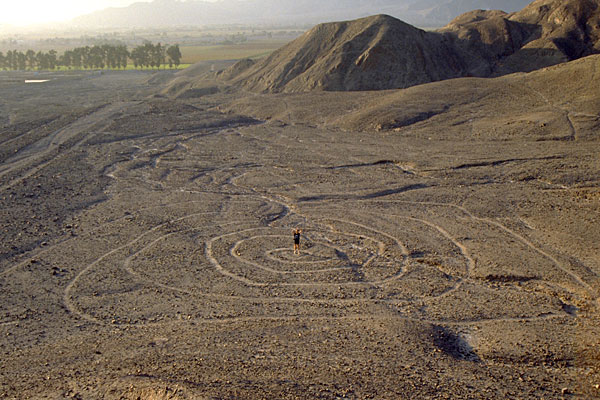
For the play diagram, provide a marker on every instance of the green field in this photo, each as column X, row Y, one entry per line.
column 164, row 66
column 194, row 54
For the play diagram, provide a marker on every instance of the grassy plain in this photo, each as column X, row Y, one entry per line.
column 196, row 53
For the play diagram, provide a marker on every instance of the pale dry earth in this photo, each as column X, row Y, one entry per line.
column 146, row 247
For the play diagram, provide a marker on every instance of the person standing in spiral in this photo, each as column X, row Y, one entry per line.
column 297, row 233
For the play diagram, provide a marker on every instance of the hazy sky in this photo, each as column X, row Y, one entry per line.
column 27, row 12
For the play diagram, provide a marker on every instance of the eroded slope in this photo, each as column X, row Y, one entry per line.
column 382, row 52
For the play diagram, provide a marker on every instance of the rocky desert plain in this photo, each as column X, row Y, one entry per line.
column 449, row 201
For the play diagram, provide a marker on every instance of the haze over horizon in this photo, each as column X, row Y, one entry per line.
column 147, row 13
column 34, row 12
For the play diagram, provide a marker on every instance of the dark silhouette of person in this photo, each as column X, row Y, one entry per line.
column 297, row 233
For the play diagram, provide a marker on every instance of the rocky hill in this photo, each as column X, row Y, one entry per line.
column 372, row 53
column 546, row 32
column 382, row 52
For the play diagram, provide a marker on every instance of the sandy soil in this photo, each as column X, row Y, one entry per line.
column 146, row 252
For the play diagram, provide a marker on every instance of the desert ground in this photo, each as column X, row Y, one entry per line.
column 146, row 244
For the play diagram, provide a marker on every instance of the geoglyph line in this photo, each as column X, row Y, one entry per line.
column 67, row 292
column 274, row 300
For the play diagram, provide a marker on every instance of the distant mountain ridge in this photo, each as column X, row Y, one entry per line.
column 161, row 13
column 382, row 52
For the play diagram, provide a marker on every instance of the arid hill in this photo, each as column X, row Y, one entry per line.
column 382, row 52
column 546, row 32
column 372, row 53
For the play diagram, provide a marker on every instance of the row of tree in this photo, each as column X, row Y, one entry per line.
column 96, row 57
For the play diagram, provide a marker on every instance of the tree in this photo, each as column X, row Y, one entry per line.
column 52, row 60
column 148, row 54
column 10, row 60
column 66, row 60
column 41, row 60
column 97, row 57
column 160, row 52
column 77, row 58
column 110, row 55
column 86, row 57
column 122, row 56
column 31, row 59
column 174, row 55
column 21, row 61
column 136, row 57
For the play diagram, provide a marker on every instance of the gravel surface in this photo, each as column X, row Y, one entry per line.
column 147, row 253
